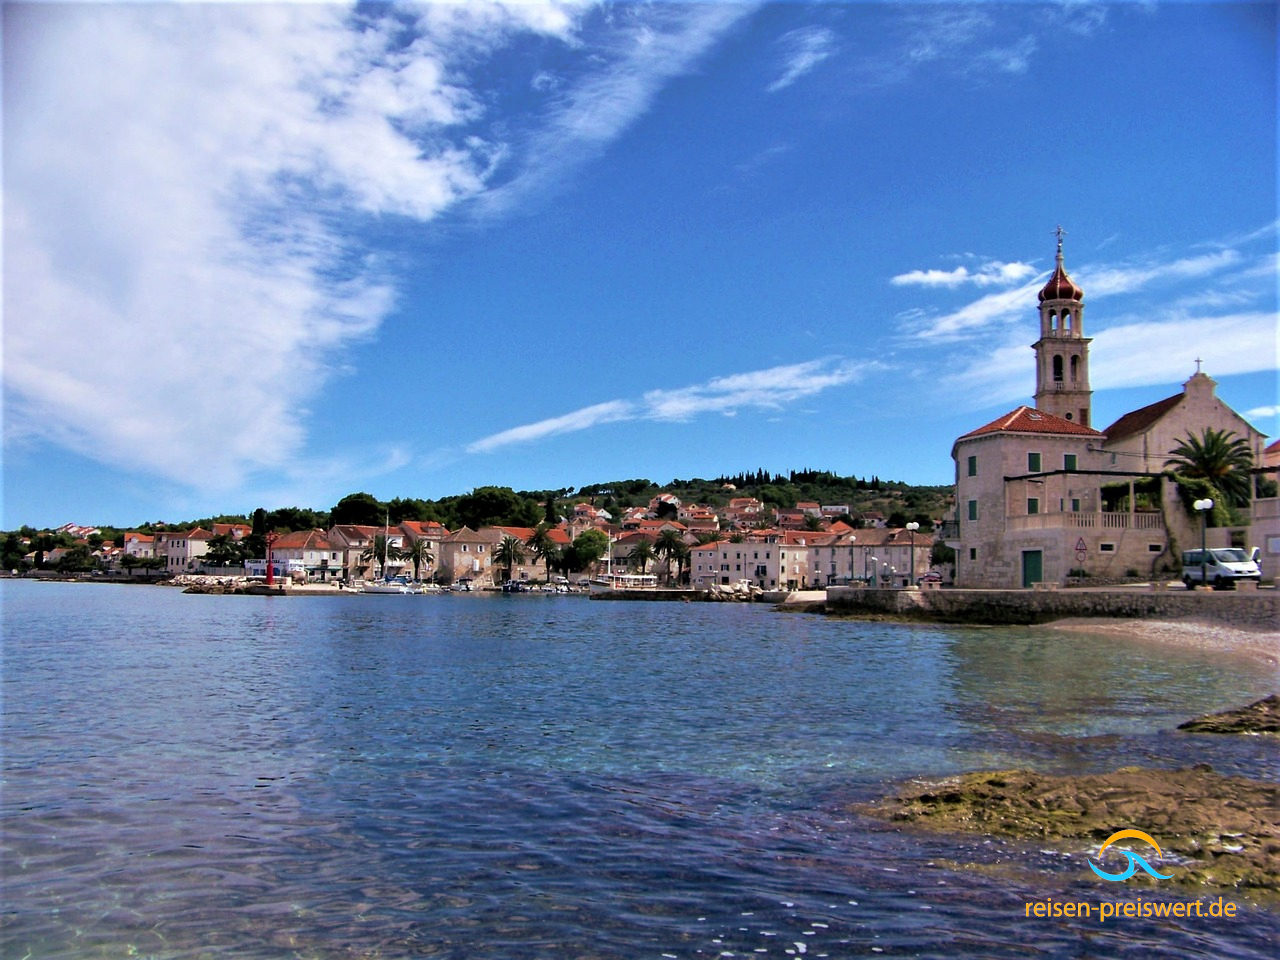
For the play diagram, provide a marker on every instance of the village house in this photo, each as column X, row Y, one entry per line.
column 140, row 545
column 180, row 549
column 351, row 541
column 1042, row 495
column 306, row 555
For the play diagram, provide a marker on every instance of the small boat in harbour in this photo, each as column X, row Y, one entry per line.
column 613, row 582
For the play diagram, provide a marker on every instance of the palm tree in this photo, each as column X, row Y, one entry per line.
column 381, row 551
column 669, row 546
column 1221, row 458
column 543, row 547
column 641, row 554
column 419, row 555
column 508, row 554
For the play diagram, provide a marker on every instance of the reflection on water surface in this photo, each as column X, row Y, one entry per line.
column 524, row 776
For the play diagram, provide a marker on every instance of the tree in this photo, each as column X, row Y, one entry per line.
column 641, row 555
column 362, row 509
column 543, row 547
column 77, row 559
column 508, row 554
column 587, row 548
column 1218, row 456
column 670, row 546
column 381, row 551
column 496, row 507
column 224, row 551
column 128, row 561
column 418, row 554
column 812, row 523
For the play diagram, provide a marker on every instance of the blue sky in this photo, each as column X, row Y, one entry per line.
column 268, row 255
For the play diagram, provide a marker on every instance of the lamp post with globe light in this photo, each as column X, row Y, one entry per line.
column 912, row 527
column 1203, row 507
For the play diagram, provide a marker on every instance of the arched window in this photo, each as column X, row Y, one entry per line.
column 1053, row 320
column 1075, row 368
column 1066, row 319
column 1057, row 369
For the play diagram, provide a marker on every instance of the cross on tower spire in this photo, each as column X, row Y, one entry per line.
column 1060, row 233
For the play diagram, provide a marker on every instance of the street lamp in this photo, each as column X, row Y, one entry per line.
column 912, row 527
column 1203, row 506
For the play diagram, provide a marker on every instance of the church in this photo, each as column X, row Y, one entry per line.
column 1043, row 496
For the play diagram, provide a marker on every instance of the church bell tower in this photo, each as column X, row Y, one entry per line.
column 1062, row 352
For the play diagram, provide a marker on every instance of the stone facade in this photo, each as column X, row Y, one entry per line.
column 1041, row 495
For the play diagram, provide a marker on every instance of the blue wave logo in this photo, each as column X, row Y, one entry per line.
column 1135, row 861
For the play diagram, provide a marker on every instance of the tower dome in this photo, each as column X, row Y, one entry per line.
column 1060, row 286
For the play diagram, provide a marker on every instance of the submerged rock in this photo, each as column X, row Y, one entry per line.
column 1260, row 717
column 1217, row 831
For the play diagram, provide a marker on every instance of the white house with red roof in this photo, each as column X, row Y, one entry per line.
column 1042, row 495
column 181, row 549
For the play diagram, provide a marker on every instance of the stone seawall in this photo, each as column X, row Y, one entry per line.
column 1251, row 610
column 685, row 595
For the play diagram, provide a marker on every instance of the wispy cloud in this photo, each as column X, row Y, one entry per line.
column 1102, row 281
column 802, row 51
column 771, row 389
column 185, row 184
column 988, row 274
column 643, row 49
column 983, row 313
column 1133, row 353
column 1258, row 414
column 1233, row 271
column 1013, row 58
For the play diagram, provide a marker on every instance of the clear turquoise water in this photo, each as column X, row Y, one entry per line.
column 520, row 777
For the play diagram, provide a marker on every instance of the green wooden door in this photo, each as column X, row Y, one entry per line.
column 1032, row 567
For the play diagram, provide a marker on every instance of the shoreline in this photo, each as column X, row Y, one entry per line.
column 1259, row 645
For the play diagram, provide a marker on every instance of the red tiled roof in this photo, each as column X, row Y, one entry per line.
column 424, row 528
column 302, row 540
column 1029, row 420
column 1136, row 421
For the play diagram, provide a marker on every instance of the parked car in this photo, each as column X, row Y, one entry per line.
column 933, row 576
column 1220, row 566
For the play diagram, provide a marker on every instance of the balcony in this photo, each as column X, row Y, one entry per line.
column 1087, row 521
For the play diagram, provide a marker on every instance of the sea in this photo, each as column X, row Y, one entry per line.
column 510, row 777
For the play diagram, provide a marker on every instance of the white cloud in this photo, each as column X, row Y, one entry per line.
column 645, row 48
column 182, row 274
column 771, row 389
column 1258, row 414
column 1164, row 350
column 1102, row 281
column 992, row 309
column 1015, row 58
column 1133, row 354
column 803, row 50
column 989, row 274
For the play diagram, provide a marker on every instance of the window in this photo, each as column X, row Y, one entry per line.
column 1155, row 548
column 1075, row 505
column 1057, row 369
column 1033, row 505
column 1068, row 461
column 1033, row 463
column 973, row 466
column 973, row 509
column 973, row 553
column 1107, row 547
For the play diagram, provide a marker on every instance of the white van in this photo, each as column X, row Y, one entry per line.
column 1221, row 567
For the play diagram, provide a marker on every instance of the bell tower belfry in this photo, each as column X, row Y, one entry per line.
column 1062, row 352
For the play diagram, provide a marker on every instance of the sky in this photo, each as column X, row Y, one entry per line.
column 273, row 254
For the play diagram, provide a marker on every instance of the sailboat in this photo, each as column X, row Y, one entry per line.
column 399, row 585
